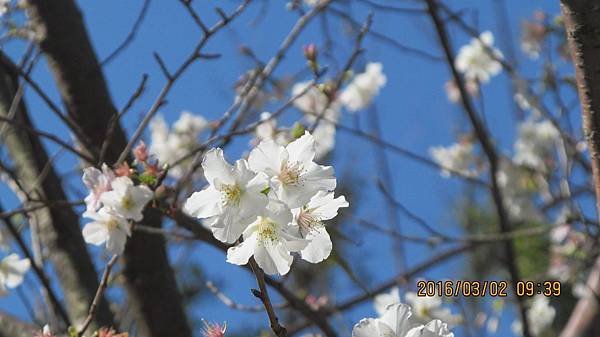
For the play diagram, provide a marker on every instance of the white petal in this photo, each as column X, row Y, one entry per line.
column 319, row 246
column 95, row 233
column 366, row 327
column 111, row 198
column 203, row 204
column 116, row 241
column 241, row 253
column 382, row 301
column 267, row 157
column 229, row 226
column 13, row 270
column 319, row 177
column 397, row 317
column 91, row 176
column 272, row 260
column 141, row 194
column 325, row 206
column 217, row 168
column 121, row 184
column 278, row 212
column 302, row 150
column 435, row 328
column 251, row 204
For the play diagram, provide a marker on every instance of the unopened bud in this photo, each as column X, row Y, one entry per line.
column 141, row 152
column 310, row 52
column 123, row 170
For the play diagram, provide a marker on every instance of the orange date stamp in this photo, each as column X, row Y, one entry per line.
column 465, row 288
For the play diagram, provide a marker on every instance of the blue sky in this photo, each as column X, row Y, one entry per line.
column 413, row 111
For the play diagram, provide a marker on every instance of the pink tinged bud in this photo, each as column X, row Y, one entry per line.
column 107, row 332
column 214, row 329
column 123, row 170
column 310, row 52
column 141, row 152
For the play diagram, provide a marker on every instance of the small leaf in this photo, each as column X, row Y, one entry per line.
column 297, row 130
column 266, row 190
column 147, row 179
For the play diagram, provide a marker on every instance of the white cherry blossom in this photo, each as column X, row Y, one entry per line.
column 97, row 183
column 170, row 145
column 457, row 157
column 474, row 60
column 294, row 176
column 324, row 135
column 12, row 272
column 270, row 239
column 518, row 186
column 309, row 220
column 126, row 199
column 382, row 301
column 397, row 321
column 535, row 143
column 233, row 198
column 314, row 101
column 5, row 6
column 107, row 227
column 539, row 316
column 360, row 92
column 267, row 130
column 190, row 125
column 426, row 308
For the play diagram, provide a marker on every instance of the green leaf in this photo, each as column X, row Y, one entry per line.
column 266, row 190
column 147, row 179
column 297, row 130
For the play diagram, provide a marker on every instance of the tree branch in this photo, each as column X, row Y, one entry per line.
column 12, row 327
column 59, row 227
column 149, row 278
column 582, row 24
column 484, row 138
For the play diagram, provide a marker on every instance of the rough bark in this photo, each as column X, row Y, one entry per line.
column 582, row 23
column 58, row 226
column 13, row 327
column 150, row 281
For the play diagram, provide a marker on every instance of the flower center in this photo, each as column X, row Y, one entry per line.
column 112, row 224
column 290, row 174
column 127, row 203
column 231, row 195
column 267, row 229
column 307, row 221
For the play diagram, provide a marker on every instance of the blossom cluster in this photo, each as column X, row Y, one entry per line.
column 479, row 60
column 12, row 272
column 315, row 105
column 276, row 201
column 171, row 144
column 398, row 321
column 424, row 308
column 114, row 200
column 540, row 316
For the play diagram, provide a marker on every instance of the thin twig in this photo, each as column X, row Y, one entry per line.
column 98, row 296
column 489, row 150
column 263, row 295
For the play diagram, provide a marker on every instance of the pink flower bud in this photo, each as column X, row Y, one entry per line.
column 141, row 152
column 310, row 52
column 123, row 170
column 106, row 332
column 214, row 329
